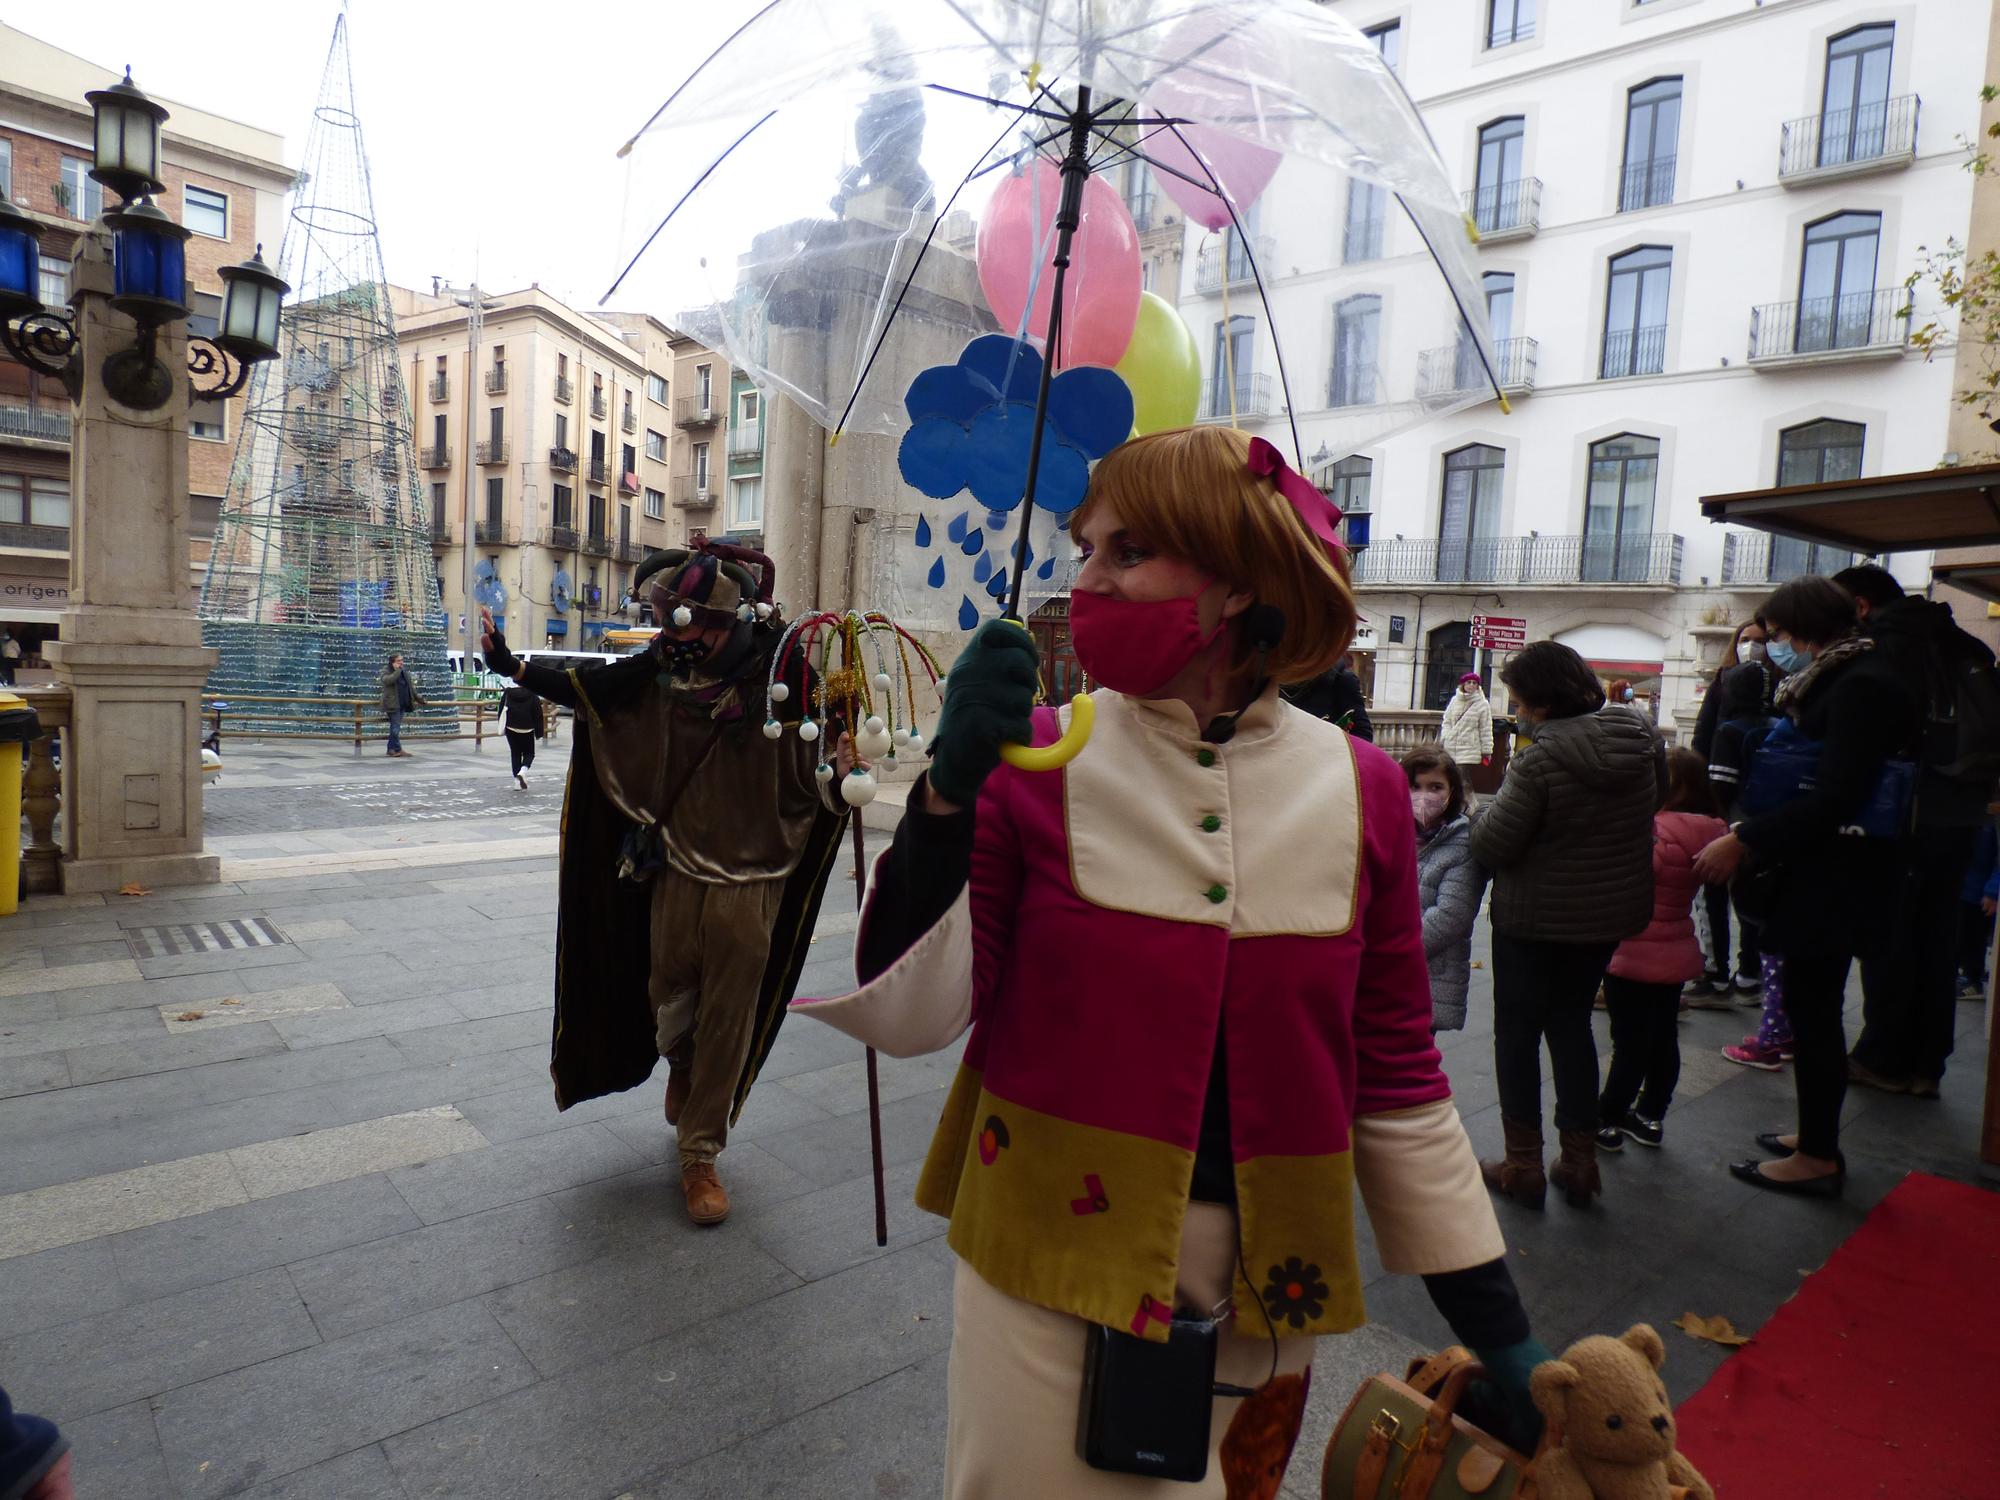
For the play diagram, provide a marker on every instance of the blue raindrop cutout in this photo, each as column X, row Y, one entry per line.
column 967, row 615
column 983, row 569
column 974, row 540
column 935, row 578
column 997, row 519
column 955, row 529
column 1047, row 570
column 923, row 531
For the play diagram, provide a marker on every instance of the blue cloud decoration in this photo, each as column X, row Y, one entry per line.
column 971, row 426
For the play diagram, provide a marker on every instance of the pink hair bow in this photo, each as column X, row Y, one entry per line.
column 1321, row 515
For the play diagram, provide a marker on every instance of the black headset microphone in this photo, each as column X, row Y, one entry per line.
column 1263, row 626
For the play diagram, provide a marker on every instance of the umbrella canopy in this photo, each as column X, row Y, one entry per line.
column 848, row 192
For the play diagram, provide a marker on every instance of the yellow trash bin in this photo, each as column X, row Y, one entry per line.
column 19, row 726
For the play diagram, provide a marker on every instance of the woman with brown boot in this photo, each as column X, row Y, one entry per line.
column 1570, row 841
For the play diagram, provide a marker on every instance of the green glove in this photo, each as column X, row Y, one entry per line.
column 988, row 699
column 1504, row 1400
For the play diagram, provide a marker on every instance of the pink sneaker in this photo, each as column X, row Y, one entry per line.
column 1753, row 1054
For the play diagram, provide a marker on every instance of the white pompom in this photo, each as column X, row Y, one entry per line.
column 882, row 682
column 873, row 742
column 780, row 691
column 745, row 613
column 874, row 724
column 772, row 729
column 888, row 762
column 916, row 740
column 763, row 611
column 683, row 617
column 900, row 739
column 824, row 772
column 858, row 790
column 808, row 731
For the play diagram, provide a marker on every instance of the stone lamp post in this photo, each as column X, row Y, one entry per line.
column 130, row 650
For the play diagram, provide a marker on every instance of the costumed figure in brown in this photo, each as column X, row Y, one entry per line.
column 696, row 844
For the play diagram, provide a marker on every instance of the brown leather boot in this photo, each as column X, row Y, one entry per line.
column 1575, row 1171
column 1520, row 1175
column 677, row 1092
column 707, row 1199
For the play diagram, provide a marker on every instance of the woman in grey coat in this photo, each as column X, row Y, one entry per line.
column 1569, row 839
column 1450, row 881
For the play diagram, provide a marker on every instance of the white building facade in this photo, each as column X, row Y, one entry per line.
column 1696, row 219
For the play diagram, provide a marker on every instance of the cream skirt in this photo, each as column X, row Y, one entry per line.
column 1017, row 1379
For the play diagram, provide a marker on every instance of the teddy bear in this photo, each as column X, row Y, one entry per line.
column 1604, row 1401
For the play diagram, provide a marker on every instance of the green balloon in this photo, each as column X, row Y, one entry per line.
column 1163, row 368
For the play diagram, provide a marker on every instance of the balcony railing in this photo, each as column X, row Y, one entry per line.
column 434, row 458
column 496, row 381
column 564, row 390
column 1867, row 324
column 628, row 420
column 563, row 460
column 598, row 405
column 495, row 534
column 628, row 482
column 1209, row 265
column 1532, row 561
column 1252, row 397
column 1361, row 238
column 1506, row 210
column 629, row 551
column 1844, row 141
column 746, row 440
column 599, row 472
column 491, row 450
column 561, row 538
column 596, row 544
column 1352, row 386
column 1457, row 367
column 34, row 538
column 35, row 423
column 440, row 531
column 440, row 388
column 1646, row 184
column 1757, row 557
column 692, row 493
column 1633, row 351
column 692, row 411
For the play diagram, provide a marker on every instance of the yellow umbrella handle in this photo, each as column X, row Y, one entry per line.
column 1082, row 715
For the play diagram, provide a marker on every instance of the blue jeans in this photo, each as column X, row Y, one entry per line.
column 395, row 730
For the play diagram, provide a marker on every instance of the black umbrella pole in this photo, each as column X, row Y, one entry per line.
column 874, row 1084
column 1075, row 169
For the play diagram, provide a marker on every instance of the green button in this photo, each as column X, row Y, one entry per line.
column 1204, row 757
column 1217, row 894
column 1210, row 823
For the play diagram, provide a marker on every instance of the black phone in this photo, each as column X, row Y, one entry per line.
column 1146, row 1406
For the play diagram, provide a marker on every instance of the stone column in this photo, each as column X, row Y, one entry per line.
column 131, row 653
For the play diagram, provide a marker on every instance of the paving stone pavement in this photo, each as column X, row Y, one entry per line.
column 302, row 1221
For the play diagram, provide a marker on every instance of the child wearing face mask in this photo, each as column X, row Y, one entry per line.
column 1450, row 881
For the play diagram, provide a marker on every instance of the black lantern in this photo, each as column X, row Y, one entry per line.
column 20, row 263
column 251, row 295
column 127, row 139
column 149, row 264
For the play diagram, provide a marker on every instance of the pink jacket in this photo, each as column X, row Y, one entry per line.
column 1667, row 951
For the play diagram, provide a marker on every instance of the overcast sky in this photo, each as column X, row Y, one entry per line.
column 492, row 130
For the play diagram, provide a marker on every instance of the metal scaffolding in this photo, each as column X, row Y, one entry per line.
column 322, row 565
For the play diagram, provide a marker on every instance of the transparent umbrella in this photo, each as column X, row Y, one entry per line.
column 847, row 193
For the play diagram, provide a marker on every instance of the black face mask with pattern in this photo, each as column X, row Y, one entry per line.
column 687, row 653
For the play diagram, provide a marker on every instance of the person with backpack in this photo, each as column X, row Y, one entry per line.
column 1643, row 983
column 1910, row 999
column 1827, row 886
column 521, row 711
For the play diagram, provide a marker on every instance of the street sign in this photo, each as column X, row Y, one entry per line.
column 1498, row 632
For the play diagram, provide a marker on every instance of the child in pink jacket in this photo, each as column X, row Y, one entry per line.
column 1643, row 985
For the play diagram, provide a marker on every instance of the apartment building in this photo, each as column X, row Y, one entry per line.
column 567, row 449
column 225, row 181
column 1695, row 221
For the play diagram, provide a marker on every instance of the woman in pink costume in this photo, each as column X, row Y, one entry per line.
column 1192, row 967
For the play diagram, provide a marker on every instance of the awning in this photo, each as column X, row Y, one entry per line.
column 1980, row 579
column 1885, row 513
column 557, row 627
column 21, row 614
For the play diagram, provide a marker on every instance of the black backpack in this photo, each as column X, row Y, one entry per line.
column 1959, row 753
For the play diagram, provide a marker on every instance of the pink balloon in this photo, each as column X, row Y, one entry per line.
column 1016, row 251
column 1242, row 168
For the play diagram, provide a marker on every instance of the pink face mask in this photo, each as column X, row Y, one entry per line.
column 1134, row 646
column 1428, row 804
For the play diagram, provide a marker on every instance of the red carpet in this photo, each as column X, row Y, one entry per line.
column 1877, row 1378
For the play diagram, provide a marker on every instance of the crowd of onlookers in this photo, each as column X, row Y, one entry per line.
column 1831, row 806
